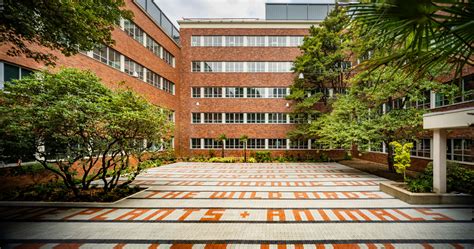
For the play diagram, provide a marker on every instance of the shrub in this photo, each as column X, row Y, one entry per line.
column 251, row 160
column 347, row 156
column 458, row 179
column 402, row 157
column 263, row 156
column 324, row 157
column 212, row 153
column 223, row 160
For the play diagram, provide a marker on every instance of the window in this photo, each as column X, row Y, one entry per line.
column 195, row 41
column 233, row 143
column 277, row 118
column 212, row 92
column 212, row 66
column 153, row 79
column 212, row 118
column 134, row 69
column 299, row 144
column 195, row 143
column 210, row 143
column 277, row 93
column 196, row 118
column 234, row 41
column 279, row 67
column 13, row 72
column 153, row 46
column 277, row 41
column 196, row 66
column 234, row 118
column 298, row 119
column 168, row 57
column 256, row 67
column 196, row 92
column 212, row 41
column 421, row 148
column 461, row 150
column 168, row 86
column 465, row 93
column 377, row 147
column 234, row 66
column 133, row 30
column 277, row 143
column 296, row 41
column 255, row 92
column 256, row 118
column 256, row 41
column 256, row 143
column 234, row 92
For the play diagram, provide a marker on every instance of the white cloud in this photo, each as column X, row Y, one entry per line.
column 177, row 9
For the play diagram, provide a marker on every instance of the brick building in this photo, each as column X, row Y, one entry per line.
column 228, row 76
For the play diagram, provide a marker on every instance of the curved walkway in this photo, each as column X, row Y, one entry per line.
column 202, row 205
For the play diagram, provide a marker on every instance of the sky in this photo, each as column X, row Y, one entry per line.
column 177, row 9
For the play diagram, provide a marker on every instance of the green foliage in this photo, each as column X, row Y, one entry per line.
column 324, row 157
column 347, row 155
column 212, row 153
column 81, row 124
column 458, row 179
column 402, row 157
column 22, row 170
column 229, row 160
column 263, row 156
column 67, row 26
column 427, row 34
column 321, row 64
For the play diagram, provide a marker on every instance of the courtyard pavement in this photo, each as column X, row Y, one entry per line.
column 202, row 205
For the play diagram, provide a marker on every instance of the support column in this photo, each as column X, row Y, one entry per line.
column 439, row 161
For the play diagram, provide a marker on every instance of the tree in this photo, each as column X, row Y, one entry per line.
column 379, row 107
column 244, row 139
column 67, row 26
column 323, row 65
column 221, row 139
column 79, row 129
column 426, row 34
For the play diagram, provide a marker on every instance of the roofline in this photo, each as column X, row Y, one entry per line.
column 243, row 21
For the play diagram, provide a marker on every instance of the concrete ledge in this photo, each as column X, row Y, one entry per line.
column 396, row 190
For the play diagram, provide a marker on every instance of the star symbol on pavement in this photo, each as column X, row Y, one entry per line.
column 244, row 214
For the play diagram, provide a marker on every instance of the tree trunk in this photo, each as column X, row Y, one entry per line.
column 245, row 152
column 222, row 152
column 391, row 168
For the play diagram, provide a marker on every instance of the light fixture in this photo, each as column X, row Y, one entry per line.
column 135, row 74
column 300, row 76
column 197, row 103
column 287, row 104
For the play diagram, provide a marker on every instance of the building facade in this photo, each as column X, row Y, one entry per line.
column 231, row 77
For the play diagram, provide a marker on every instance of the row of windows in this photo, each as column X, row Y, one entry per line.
column 143, row 38
column 118, row 61
column 244, row 118
column 239, row 92
column 461, row 150
column 252, row 143
column 246, row 41
column 12, row 72
column 242, row 66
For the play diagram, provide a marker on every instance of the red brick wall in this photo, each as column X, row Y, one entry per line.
column 130, row 48
column 189, row 105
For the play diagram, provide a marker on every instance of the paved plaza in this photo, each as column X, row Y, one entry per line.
column 203, row 205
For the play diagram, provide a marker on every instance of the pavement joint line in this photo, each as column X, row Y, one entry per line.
column 232, row 221
column 138, row 241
